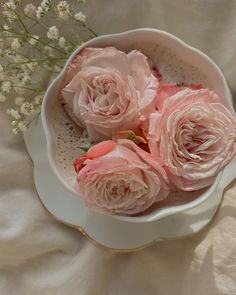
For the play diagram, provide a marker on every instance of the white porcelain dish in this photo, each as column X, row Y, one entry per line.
column 104, row 230
column 127, row 41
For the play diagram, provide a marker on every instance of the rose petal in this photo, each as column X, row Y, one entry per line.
column 100, row 149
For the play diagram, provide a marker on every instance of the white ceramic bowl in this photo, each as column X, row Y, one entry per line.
column 143, row 39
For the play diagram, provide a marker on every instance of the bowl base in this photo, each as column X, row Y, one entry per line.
column 104, row 230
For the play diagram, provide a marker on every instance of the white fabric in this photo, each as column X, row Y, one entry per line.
column 38, row 255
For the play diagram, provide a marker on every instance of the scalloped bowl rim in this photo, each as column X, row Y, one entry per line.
column 160, row 212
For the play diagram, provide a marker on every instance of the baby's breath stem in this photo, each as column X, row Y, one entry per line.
column 22, row 23
column 37, row 21
column 27, row 55
column 28, row 88
column 17, row 15
column 49, row 45
column 76, row 36
column 33, row 60
column 38, row 40
column 10, row 31
column 84, row 25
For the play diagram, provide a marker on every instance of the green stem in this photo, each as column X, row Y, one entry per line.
column 26, row 57
column 53, row 72
column 33, row 25
column 12, row 32
column 84, row 25
column 38, row 40
column 33, row 60
column 8, row 37
column 84, row 148
column 77, row 37
column 18, row 17
column 23, row 25
column 36, row 21
column 46, row 44
column 34, row 119
column 27, row 88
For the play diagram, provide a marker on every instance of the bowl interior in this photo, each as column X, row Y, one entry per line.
column 177, row 63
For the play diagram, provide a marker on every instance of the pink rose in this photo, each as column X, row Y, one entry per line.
column 120, row 178
column 194, row 135
column 107, row 90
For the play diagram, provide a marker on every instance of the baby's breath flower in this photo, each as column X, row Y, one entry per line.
column 32, row 66
column 19, row 100
column 19, row 78
column 2, row 97
column 30, row 10
column 15, row 130
column 8, row 11
column 48, row 50
column 22, row 126
column 67, row 48
column 80, row 16
column 17, row 73
column 38, row 99
column 6, row 86
column 36, row 110
column 14, row 113
column 63, row 9
column 15, row 45
column 53, row 33
column 16, row 2
column 27, row 108
column 32, row 40
column 10, row 53
column 57, row 68
column 39, row 12
column 46, row 5
column 62, row 42
column 2, row 75
column 9, row 5
column 25, row 80
column 6, row 27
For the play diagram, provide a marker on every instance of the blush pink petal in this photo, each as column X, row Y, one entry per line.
column 100, row 149
column 154, row 133
column 167, row 90
column 120, row 178
column 145, row 82
column 88, row 56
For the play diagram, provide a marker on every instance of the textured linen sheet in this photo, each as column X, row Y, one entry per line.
column 39, row 255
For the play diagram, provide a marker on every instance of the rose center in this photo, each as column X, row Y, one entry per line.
column 104, row 97
column 194, row 138
column 103, row 85
column 121, row 189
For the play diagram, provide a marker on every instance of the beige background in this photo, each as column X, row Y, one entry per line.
column 38, row 255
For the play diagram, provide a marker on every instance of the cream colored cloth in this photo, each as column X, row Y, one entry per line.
column 38, row 255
